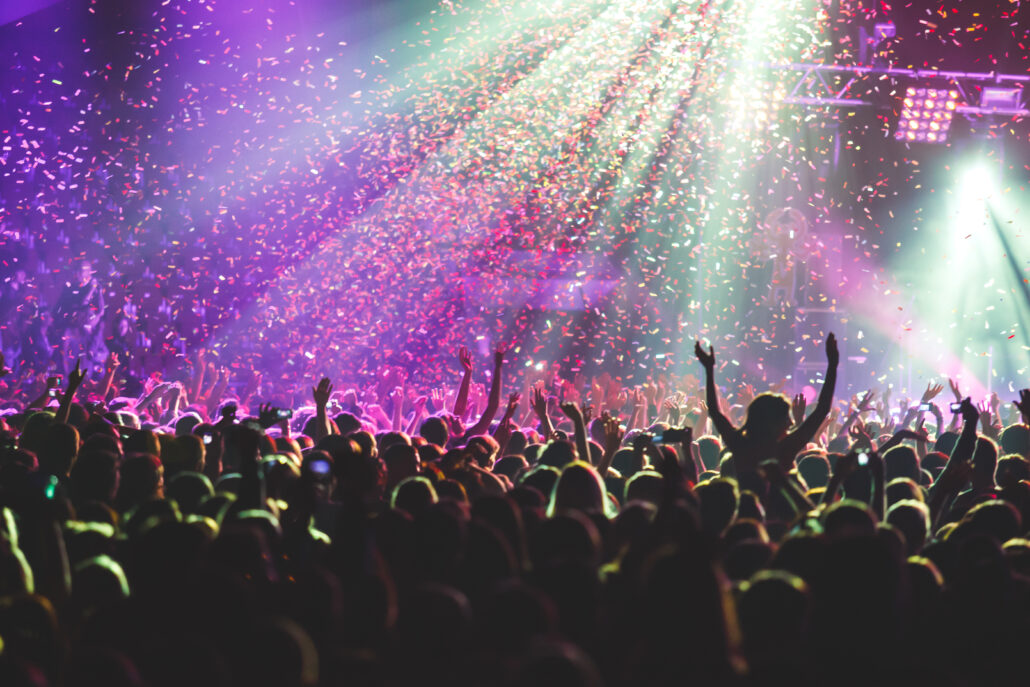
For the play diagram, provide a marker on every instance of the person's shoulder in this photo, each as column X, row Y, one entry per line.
column 732, row 436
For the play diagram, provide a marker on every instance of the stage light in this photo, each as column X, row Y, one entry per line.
column 926, row 114
column 977, row 183
column 1000, row 99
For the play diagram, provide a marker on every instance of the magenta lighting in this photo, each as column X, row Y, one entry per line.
column 926, row 114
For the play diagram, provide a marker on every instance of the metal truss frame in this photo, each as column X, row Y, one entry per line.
column 819, row 85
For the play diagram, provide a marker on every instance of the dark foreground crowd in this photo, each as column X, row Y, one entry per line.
column 656, row 535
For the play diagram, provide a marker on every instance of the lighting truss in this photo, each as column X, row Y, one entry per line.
column 833, row 85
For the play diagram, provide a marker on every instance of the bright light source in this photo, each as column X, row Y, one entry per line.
column 978, row 182
column 926, row 114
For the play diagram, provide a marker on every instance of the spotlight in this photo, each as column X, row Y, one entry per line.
column 977, row 182
column 997, row 98
column 926, row 114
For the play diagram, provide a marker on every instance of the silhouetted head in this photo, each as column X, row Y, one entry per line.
column 60, row 447
column 913, row 519
column 579, row 488
column 901, row 461
column 768, row 417
column 720, row 499
column 1015, row 439
column 774, row 610
column 709, row 447
column 985, row 462
column 902, row 488
column 414, row 495
column 1011, row 469
column 141, row 479
column 434, row 430
column 814, row 468
column 401, row 462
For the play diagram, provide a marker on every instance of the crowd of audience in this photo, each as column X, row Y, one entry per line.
column 171, row 517
column 575, row 533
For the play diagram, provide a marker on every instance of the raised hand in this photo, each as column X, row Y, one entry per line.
column 75, row 377
column 513, row 403
column 985, row 412
column 539, row 402
column 322, row 392
column 918, row 434
column 859, row 437
column 1023, row 405
column 955, row 390
column 651, row 393
column 797, row 408
column 987, row 419
column 267, row 415
column 706, row 359
column 613, row 434
column 936, row 412
column 499, row 352
column 572, row 411
column 932, row 390
column 922, row 435
column 995, row 401
column 832, row 354
column 570, row 392
column 866, row 402
column 969, row 411
column 465, row 358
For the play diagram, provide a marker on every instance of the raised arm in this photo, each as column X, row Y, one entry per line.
column 1023, row 405
column 110, row 369
column 75, row 378
column 846, row 464
column 462, row 400
column 804, row 433
column 864, row 404
column 418, row 411
column 612, row 441
column 320, row 394
column 199, row 367
column 966, row 444
column 579, row 425
column 504, row 428
column 538, row 401
column 959, row 467
column 957, row 393
column 722, row 424
column 494, row 401
column 217, row 391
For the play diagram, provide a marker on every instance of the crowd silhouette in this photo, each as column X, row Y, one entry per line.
column 394, row 535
